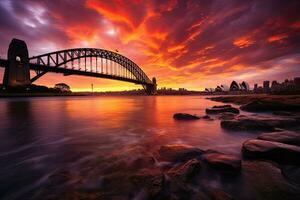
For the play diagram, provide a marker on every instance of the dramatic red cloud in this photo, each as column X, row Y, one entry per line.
column 183, row 43
column 243, row 42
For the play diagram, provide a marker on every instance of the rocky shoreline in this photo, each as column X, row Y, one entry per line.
column 268, row 169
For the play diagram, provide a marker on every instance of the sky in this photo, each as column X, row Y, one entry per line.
column 183, row 43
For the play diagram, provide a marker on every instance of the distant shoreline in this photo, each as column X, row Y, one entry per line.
column 216, row 97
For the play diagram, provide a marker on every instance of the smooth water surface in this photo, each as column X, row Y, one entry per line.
column 39, row 136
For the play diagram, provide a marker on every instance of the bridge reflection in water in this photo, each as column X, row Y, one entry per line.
column 91, row 62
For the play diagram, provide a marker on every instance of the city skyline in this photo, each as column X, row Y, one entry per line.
column 184, row 44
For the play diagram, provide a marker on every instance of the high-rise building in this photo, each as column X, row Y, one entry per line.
column 255, row 87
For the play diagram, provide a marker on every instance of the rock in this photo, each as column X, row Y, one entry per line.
column 263, row 180
column 257, row 124
column 222, row 106
column 287, row 137
column 227, row 116
column 285, row 113
column 219, row 195
column 185, row 171
column 275, row 151
column 292, row 173
column 222, row 109
column 142, row 162
column 151, row 180
column 185, row 116
column 246, row 125
column 264, row 106
column 221, row 161
column 206, row 117
column 178, row 152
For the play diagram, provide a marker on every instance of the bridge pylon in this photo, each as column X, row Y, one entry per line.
column 17, row 72
column 151, row 88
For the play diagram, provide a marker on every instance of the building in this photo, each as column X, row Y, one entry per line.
column 266, row 86
column 234, row 86
column 244, row 86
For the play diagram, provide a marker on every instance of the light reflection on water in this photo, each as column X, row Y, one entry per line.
column 41, row 135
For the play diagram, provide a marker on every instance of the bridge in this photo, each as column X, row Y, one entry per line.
column 90, row 62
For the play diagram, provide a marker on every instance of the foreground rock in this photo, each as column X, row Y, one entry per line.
column 292, row 173
column 264, row 106
column 222, row 161
column 151, row 181
column 185, row 171
column 264, row 180
column 275, row 151
column 222, row 109
column 257, row 124
column 185, row 116
column 287, row 137
column 178, row 152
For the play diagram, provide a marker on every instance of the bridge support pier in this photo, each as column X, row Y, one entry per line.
column 151, row 89
column 17, row 71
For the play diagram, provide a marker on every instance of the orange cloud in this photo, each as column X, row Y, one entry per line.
column 277, row 38
column 243, row 42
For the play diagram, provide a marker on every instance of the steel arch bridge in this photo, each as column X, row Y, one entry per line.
column 91, row 62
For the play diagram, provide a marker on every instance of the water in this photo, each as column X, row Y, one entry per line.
column 40, row 136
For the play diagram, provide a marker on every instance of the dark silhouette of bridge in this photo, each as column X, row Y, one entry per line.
column 91, row 62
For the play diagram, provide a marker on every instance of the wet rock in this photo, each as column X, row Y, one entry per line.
column 292, row 173
column 285, row 113
column 264, row 106
column 185, row 116
column 219, row 195
column 178, row 152
column 227, row 116
column 150, row 180
column 185, row 171
column 264, row 180
column 207, row 117
column 142, row 162
column 275, row 151
column 287, row 137
column 258, row 124
column 221, row 161
column 222, row 109
column 247, row 125
column 223, row 106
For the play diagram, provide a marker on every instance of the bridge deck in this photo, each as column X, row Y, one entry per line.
column 68, row 71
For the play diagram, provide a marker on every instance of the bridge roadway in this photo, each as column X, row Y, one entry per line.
column 68, row 71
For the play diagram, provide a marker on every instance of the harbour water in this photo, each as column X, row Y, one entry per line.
column 40, row 136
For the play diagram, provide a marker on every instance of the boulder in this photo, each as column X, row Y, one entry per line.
column 246, row 125
column 222, row 106
column 265, row 106
column 292, row 173
column 221, row 161
column 258, row 124
column 222, row 109
column 152, row 181
column 264, row 180
column 142, row 162
column 185, row 171
column 275, row 151
column 287, row 137
column 227, row 116
column 178, row 152
column 185, row 116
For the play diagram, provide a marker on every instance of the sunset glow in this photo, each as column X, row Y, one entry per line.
column 183, row 43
